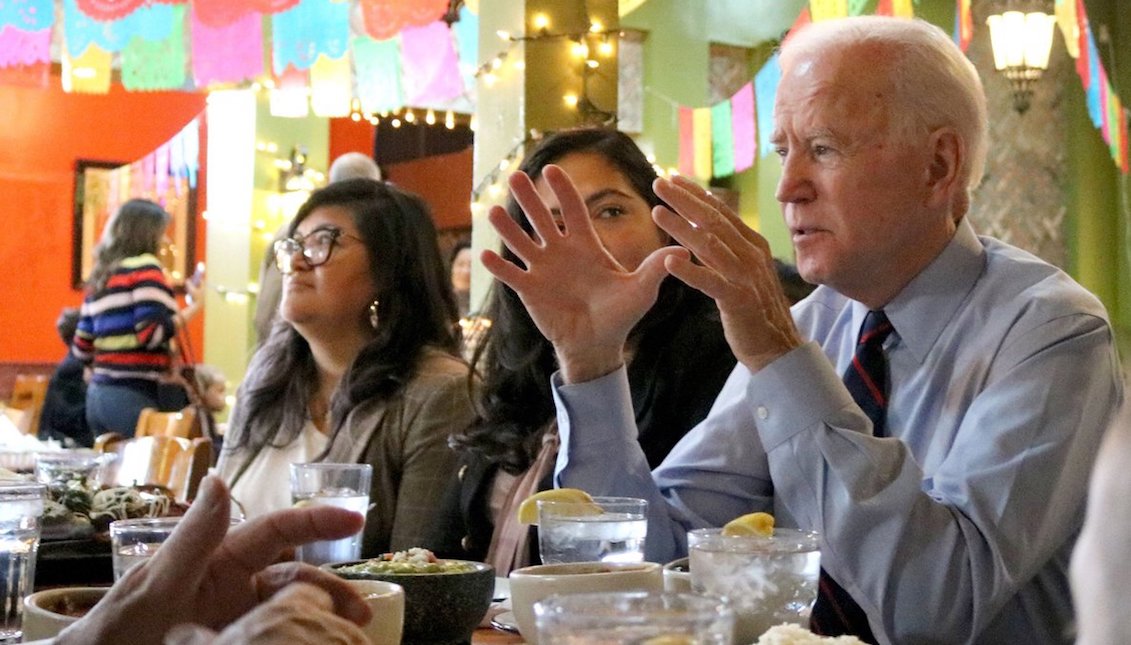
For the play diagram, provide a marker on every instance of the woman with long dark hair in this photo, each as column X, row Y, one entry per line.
column 129, row 318
column 361, row 366
column 678, row 358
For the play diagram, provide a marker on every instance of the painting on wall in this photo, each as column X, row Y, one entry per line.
column 101, row 187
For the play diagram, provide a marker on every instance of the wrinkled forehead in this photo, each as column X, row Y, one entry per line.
column 848, row 82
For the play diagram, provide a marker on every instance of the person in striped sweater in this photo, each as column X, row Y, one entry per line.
column 129, row 318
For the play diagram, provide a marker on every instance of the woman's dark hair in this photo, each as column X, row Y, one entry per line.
column 135, row 229
column 416, row 310
column 515, row 361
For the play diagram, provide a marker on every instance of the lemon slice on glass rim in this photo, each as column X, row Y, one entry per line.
column 752, row 524
column 528, row 510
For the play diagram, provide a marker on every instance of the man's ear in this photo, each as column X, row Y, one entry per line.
column 948, row 153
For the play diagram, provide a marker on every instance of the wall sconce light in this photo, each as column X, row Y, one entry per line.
column 294, row 175
column 1021, row 42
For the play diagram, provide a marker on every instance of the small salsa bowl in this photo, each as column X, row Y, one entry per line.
column 47, row 612
column 439, row 607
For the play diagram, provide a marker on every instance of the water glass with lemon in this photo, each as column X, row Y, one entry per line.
column 768, row 574
column 575, row 527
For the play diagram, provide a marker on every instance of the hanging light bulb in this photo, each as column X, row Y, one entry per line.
column 449, row 120
column 541, row 22
column 409, row 116
column 570, row 99
column 396, row 123
column 430, row 117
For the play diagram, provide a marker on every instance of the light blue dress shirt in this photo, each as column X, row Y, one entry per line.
column 955, row 529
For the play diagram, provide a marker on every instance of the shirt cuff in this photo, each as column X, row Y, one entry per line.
column 796, row 393
column 604, row 403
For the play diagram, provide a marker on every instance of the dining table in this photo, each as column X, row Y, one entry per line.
column 492, row 636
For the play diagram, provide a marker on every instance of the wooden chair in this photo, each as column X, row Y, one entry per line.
column 28, row 394
column 151, row 423
column 177, row 463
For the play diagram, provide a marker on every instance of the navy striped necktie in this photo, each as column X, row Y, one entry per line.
column 835, row 612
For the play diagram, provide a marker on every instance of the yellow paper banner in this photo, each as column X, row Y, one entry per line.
column 626, row 6
column 902, row 9
column 1069, row 26
column 331, row 86
column 701, row 127
column 827, row 9
column 88, row 73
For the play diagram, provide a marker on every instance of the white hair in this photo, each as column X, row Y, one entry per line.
column 353, row 165
column 934, row 84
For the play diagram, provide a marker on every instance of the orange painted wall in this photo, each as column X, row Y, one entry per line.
column 44, row 131
column 444, row 181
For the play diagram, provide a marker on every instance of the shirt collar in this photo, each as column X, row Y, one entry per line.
column 927, row 304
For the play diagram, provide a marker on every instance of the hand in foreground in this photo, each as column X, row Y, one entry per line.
column 579, row 296
column 301, row 614
column 735, row 268
column 202, row 576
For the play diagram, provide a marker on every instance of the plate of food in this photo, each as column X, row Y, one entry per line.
column 78, row 510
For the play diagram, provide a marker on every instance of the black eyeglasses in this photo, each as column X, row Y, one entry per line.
column 315, row 248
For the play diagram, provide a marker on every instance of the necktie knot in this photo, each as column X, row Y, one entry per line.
column 875, row 330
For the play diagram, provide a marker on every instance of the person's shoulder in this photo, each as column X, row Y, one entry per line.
column 1033, row 285
column 437, row 371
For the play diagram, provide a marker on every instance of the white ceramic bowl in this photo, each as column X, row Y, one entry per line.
column 47, row 612
column 386, row 600
column 677, row 576
column 530, row 584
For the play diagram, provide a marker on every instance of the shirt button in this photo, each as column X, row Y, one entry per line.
column 763, row 412
column 466, row 543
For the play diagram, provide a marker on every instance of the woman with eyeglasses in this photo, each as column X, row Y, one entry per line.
column 129, row 318
column 362, row 365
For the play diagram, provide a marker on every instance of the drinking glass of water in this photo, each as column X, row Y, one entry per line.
column 768, row 579
column 608, row 529
column 21, row 505
column 342, row 485
column 135, row 541
column 633, row 618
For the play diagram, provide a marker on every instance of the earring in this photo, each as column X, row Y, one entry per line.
column 373, row 317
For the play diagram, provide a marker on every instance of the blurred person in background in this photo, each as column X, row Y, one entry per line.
column 460, row 262
column 64, row 407
column 129, row 318
column 362, row 366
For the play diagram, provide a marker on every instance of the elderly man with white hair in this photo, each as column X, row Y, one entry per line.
column 932, row 409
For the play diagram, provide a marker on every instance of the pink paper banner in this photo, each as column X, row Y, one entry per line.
column 386, row 18
column 742, row 127
column 19, row 47
column 107, row 10
column 227, row 54
column 430, row 65
column 686, row 141
column 161, row 169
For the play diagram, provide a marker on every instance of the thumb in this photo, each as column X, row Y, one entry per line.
column 181, row 559
column 652, row 270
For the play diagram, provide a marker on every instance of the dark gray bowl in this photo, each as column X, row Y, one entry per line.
column 438, row 607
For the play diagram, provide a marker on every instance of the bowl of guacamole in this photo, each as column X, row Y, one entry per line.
column 444, row 600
